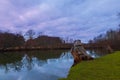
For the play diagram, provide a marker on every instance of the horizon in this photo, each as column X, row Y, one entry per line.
column 80, row 19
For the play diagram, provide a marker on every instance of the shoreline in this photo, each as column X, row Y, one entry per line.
column 97, row 69
column 33, row 48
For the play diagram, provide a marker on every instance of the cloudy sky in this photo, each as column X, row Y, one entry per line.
column 77, row 19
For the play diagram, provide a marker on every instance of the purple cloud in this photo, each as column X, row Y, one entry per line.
column 80, row 19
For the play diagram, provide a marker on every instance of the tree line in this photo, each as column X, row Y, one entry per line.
column 111, row 38
column 28, row 40
column 11, row 40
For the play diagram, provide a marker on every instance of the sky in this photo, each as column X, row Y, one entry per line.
column 73, row 19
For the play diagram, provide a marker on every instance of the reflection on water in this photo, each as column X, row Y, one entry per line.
column 95, row 53
column 32, row 67
column 37, row 65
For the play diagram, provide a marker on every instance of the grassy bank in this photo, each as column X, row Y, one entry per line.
column 104, row 68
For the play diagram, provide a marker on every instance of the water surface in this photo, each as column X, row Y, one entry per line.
column 38, row 65
column 43, row 65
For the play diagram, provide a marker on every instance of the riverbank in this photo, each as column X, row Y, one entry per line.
column 104, row 68
column 50, row 47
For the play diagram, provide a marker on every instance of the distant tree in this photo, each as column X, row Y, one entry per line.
column 20, row 39
column 11, row 40
column 47, row 41
column 30, row 33
column 112, row 38
column 90, row 41
column 40, row 33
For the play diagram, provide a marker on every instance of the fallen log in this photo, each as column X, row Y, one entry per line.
column 79, row 53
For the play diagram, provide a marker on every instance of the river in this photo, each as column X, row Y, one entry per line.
column 36, row 65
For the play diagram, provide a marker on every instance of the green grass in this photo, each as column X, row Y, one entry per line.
column 104, row 68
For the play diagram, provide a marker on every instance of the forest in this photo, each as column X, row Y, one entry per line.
column 111, row 38
column 18, row 41
column 28, row 41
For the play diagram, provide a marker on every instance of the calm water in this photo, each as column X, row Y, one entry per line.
column 36, row 65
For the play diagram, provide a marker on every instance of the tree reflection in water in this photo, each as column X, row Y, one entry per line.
column 29, row 66
column 37, row 65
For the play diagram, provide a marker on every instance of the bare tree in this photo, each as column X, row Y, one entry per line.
column 30, row 33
